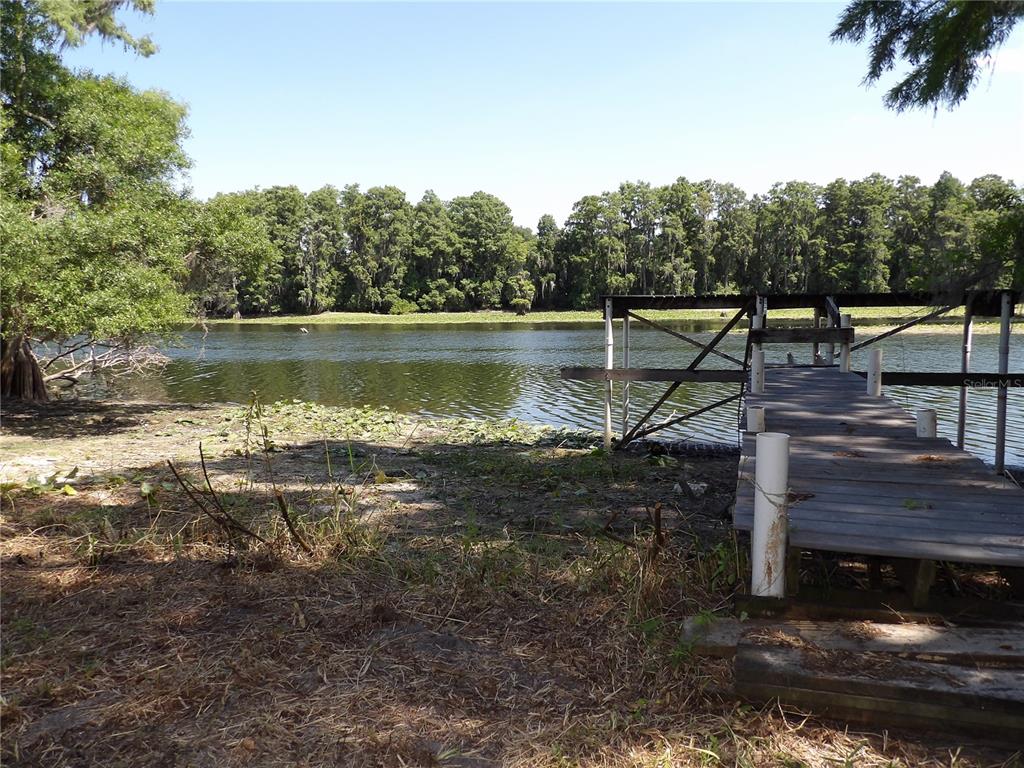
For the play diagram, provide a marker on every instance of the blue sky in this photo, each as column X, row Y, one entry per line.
column 543, row 103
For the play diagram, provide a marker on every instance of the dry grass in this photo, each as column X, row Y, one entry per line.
column 476, row 595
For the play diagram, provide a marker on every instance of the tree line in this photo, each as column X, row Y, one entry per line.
column 281, row 251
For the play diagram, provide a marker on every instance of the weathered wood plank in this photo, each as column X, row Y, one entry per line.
column 719, row 637
column 985, row 303
column 654, row 374
column 801, row 335
column 863, row 483
column 947, row 379
column 848, row 685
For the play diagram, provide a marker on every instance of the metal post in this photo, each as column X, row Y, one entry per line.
column 844, row 350
column 609, row 363
column 1004, row 368
column 965, row 366
column 625, row 364
column 770, row 535
column 875, row 373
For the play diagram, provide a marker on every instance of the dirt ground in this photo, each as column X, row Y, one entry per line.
column 354, row 588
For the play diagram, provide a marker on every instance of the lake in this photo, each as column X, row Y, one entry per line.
column 511, row 371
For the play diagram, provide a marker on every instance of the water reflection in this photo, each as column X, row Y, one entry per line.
column 512, row 371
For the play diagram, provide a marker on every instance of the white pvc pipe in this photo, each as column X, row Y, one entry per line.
column 816, row 346
column 609, row 363
column 830, row 355
column 755, row 419
column 875, row 372
column 927, row 422
column 965, row 366
column 845, row 321
column 769, row 539
column 757, row 372
column 1005, row 318
column 625, row 364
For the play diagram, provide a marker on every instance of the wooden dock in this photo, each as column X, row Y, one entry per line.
column 862, row 482
column 863, row 485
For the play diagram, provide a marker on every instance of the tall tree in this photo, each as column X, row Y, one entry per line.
column 94, row 231
column 379, row 228
column 542, row 261
column 232, row 261
column 491, row 249
column 432, row 280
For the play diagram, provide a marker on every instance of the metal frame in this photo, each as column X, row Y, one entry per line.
column 995, row 303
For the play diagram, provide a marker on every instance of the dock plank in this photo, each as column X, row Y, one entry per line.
column 862, row 482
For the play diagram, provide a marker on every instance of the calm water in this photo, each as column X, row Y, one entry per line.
column 512, row 371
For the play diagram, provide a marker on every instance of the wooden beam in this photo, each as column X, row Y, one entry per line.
column 948, row 379
column 801, row 335
column 628, row 436
column 719, row 636
column 985, row 303
column 718, row 337
column 705, row 376
column 910, row 693
column 683, row 337
column 833, row 311
column 897, row 329
column 672, row 422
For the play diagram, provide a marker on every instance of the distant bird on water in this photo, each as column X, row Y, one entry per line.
column 304, row 330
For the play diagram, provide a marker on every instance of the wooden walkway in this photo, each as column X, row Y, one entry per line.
column 862, row 482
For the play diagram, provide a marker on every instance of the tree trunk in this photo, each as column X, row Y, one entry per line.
column 21, row 378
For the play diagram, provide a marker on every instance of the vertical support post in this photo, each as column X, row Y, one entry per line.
column 845, row 321
column 625, row 364
column 757, row 372
column 1004, row 368
column 761, row 306
column 816, row 347
column 609, row 363
column 927, row 422
column 965, row 366
column 757, row 323
column 770, row 534
column 755, row 420
column 830, row 355
column 875, row 373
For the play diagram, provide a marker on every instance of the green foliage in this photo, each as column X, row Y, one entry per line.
column 94, row 242
column 77, row 19
column 377, row 253
column 944, row 43
column 233, row 264
column 94, row 232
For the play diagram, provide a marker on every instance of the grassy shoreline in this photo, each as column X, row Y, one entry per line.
column 950, row 323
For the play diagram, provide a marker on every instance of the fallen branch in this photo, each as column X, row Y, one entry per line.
column 224, row 519
column 283, row 506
